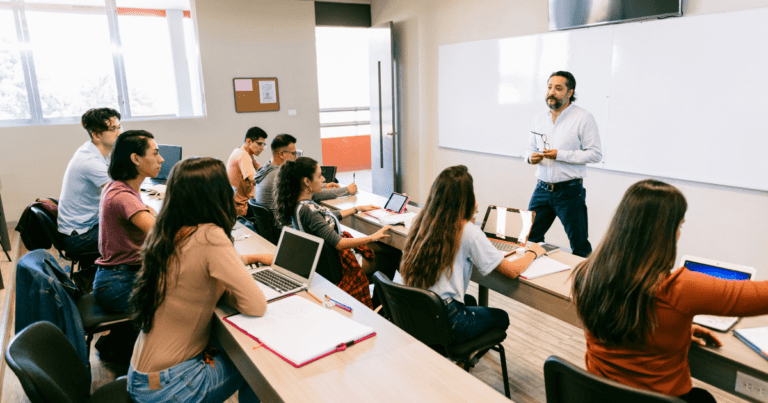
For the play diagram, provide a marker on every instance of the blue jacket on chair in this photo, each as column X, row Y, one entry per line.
column 44, row 292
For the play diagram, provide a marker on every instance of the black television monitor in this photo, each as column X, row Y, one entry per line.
column 568, row 14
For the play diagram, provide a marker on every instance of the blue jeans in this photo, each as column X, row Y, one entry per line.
column 79, row 244
column 567, row 204
column 112, row 288
column 469, row 322
column 248, row 223
column 193, row 381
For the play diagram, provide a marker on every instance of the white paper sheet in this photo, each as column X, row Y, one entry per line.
column 267, row 92
column 543, row 266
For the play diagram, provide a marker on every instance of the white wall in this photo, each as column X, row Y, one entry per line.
column 722, row 222
column 238, row 38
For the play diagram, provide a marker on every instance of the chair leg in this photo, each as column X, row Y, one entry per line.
column 503, row 359
column 88, row 340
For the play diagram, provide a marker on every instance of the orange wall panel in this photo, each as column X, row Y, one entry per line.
column 347, row 153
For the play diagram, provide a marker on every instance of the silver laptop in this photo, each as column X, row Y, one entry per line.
column 293, row 266
column 507, row 228
column 722, row 270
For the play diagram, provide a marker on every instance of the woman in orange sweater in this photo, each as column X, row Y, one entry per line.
column 637, row 314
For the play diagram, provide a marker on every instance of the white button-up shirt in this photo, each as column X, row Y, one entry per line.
column 575, row 137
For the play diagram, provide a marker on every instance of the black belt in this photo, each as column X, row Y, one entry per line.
column 119, row 267
column 551, row 187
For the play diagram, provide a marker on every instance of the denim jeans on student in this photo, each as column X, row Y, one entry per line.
column 112, row 288
column 79, row 244
column 193, row 381
column 248, row 223
column 469, row 322
column 566, row 203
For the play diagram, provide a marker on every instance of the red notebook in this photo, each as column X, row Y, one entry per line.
column 301, row 331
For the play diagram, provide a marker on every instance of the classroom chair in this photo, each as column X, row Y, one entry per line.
column 57, row 239
column 95, row 320
column 266, row 225
column 565, row 382
column 50, row 371
column 422, row 314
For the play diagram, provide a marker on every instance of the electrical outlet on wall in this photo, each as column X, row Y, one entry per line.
column 752, row 387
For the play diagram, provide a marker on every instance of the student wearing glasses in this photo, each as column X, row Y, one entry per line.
column 189, row 264
column 241, row 169
column 84, row 179
column 284, row 149
column 637, row 313
column 443, row 244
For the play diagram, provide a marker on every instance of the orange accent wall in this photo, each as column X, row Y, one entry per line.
column 347, row 153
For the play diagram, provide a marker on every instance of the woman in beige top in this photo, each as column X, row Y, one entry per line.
column 188, row 264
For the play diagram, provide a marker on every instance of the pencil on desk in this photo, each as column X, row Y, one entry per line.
column 311, row 294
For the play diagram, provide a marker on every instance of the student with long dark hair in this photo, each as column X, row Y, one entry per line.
column 637, row 314
column 124, row 220
column 296, row 183
column 442, row 246
column 189, row 262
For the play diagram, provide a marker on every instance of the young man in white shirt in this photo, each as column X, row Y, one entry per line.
column 84, row 178
column 563, row 140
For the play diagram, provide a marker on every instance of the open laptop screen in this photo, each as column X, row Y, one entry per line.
column 508, row 224
column 329, row 173
column 171, row 155
column 296, row 254
column 715, row 271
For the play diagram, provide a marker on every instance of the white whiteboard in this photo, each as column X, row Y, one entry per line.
column 680, row 98
column 490, row 91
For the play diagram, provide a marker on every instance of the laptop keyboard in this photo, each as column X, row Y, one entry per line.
column 503, row 246
column 275, row 281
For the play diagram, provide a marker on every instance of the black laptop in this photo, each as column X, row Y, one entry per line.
column 329, row 173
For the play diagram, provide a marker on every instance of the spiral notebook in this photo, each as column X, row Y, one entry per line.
column 301, row 331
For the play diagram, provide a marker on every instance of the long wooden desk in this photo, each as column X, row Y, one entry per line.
column 392, row 366
column 367, row 224
column 551, row 295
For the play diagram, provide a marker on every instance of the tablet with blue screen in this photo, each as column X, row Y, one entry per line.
column 727, row 271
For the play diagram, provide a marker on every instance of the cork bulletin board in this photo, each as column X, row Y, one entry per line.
column 256, row 94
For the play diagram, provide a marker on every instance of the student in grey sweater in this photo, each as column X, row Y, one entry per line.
column 284, row 149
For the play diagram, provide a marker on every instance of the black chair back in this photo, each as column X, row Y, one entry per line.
column 565, row 382
column 265, row 221
column 49, row 227
column 421, row 313
column 329, row 264
column 47, row 365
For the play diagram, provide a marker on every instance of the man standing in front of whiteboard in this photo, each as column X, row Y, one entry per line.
column 563, row 140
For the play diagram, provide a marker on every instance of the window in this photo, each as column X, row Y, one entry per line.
column 14, row 104
column 59, row 58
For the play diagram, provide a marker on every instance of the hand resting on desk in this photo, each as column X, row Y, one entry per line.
column 702, row 336
column 262, row 258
